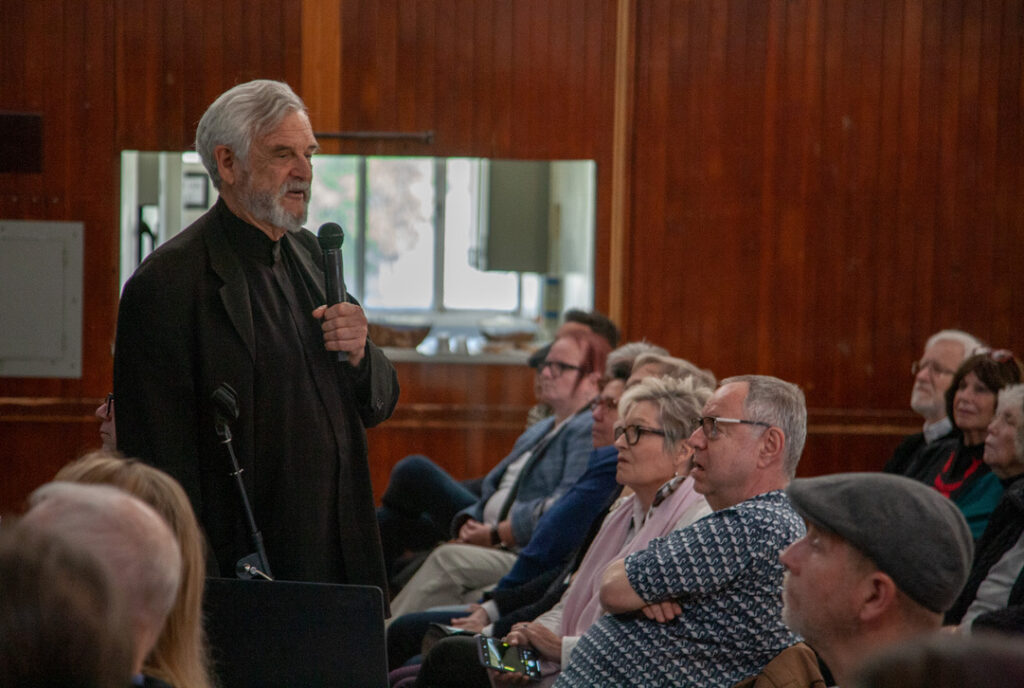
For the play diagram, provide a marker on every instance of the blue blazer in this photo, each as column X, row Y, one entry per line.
column 546, row 477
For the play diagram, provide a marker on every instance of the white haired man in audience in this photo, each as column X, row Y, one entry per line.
column 702, row 606
column 883, row 558
column 933, row 373
column 130, row 539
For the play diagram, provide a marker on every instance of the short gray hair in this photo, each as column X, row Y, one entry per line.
column 239, row 116
column 124, row 533
column 679, row 402
column 779, row 403
column 969, row 342
column 619, row 363
column 675, row 367
column 1012, row 396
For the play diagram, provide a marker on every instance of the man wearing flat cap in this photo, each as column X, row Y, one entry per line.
column 884, row 556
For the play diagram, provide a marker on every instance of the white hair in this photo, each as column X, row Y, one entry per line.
column 674, row 367
column 1012, row 397
column 679, row 402
column 135, row 544
column 241, row 115
column 969, row 342
column 620, row 361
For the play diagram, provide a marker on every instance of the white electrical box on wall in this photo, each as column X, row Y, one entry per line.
column 41, row 298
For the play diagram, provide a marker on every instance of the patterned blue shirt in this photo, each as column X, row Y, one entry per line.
column 724, row 571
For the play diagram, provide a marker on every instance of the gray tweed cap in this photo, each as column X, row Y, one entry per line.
column 912, row 533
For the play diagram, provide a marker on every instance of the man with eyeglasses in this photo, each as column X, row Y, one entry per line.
column 108, row 429
column 702, row 606
column 943, row 354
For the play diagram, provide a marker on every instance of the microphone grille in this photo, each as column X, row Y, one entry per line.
column 330, row 236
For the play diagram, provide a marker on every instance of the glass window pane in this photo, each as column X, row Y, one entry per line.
column 464, row 285
column 400, row 233
column 333, row 198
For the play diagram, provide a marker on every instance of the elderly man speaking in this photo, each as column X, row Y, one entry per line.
column 238, row 298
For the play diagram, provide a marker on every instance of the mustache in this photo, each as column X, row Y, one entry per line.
column 288, row 187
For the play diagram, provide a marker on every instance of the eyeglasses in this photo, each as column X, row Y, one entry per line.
column 709, row 424
column 931, row 366
column 633, row 433
column 601, row 401
column 557, row 368
column 110, row 405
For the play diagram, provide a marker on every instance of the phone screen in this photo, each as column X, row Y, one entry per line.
column 499, row 655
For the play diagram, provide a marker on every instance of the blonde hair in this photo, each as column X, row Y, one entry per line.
column 181, row 654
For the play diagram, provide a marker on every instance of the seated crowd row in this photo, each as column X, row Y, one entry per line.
column 657, row 536
column 646, row 530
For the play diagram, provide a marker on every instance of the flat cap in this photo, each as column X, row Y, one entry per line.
column 912, row 533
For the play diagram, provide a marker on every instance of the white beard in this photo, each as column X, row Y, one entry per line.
column 266, row 207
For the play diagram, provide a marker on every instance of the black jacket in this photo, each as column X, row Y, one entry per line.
column 184, row 327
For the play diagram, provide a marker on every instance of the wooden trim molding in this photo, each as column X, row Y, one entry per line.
column 622, row 158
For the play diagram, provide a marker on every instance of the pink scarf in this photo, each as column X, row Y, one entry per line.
column 582, row 599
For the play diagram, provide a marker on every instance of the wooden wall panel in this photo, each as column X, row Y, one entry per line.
column 524, row 79
column 108, row 75
column 814, row 186
column 175, row 58
column 818, row 186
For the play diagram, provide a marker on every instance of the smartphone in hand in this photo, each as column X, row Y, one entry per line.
column 497, row 654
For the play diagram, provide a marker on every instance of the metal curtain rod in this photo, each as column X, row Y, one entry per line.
column 423, row 136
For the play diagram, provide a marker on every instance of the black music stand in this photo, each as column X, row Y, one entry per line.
column 296, row 634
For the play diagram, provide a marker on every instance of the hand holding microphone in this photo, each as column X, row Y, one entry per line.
column 344, row 324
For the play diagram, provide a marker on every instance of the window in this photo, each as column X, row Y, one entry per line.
column 452, row 238
column 411, row 226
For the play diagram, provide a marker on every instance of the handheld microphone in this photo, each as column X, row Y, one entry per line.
column 330, row 237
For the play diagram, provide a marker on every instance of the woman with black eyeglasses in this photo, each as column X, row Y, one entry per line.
column 955, row 467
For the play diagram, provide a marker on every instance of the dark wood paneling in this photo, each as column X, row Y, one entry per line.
column 818, row 186
column 109, row 75
column 815, row 185
column 37, row 437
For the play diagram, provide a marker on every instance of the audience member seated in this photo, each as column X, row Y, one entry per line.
column 180, row 656
column 62, row 620
column 654, row 463
column 131, row 541
column 535, row 582
column 944, row 661
column 538, row 579
column 573, row 320
column 994, row 594
column 943, row 354
column 621, row 361
column 653, row 364
column 702, row 606
column 564, row 525
column 954, row 466
column 421, row 500
column 883, row 558
column 558, row 531
column 108, row 427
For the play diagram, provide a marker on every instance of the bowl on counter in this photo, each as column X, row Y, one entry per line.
column 399, row 333
column 508, row 331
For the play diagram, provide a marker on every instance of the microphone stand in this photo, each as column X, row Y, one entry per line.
column 256, row 564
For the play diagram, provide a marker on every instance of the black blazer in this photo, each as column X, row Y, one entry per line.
column 185, row 327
